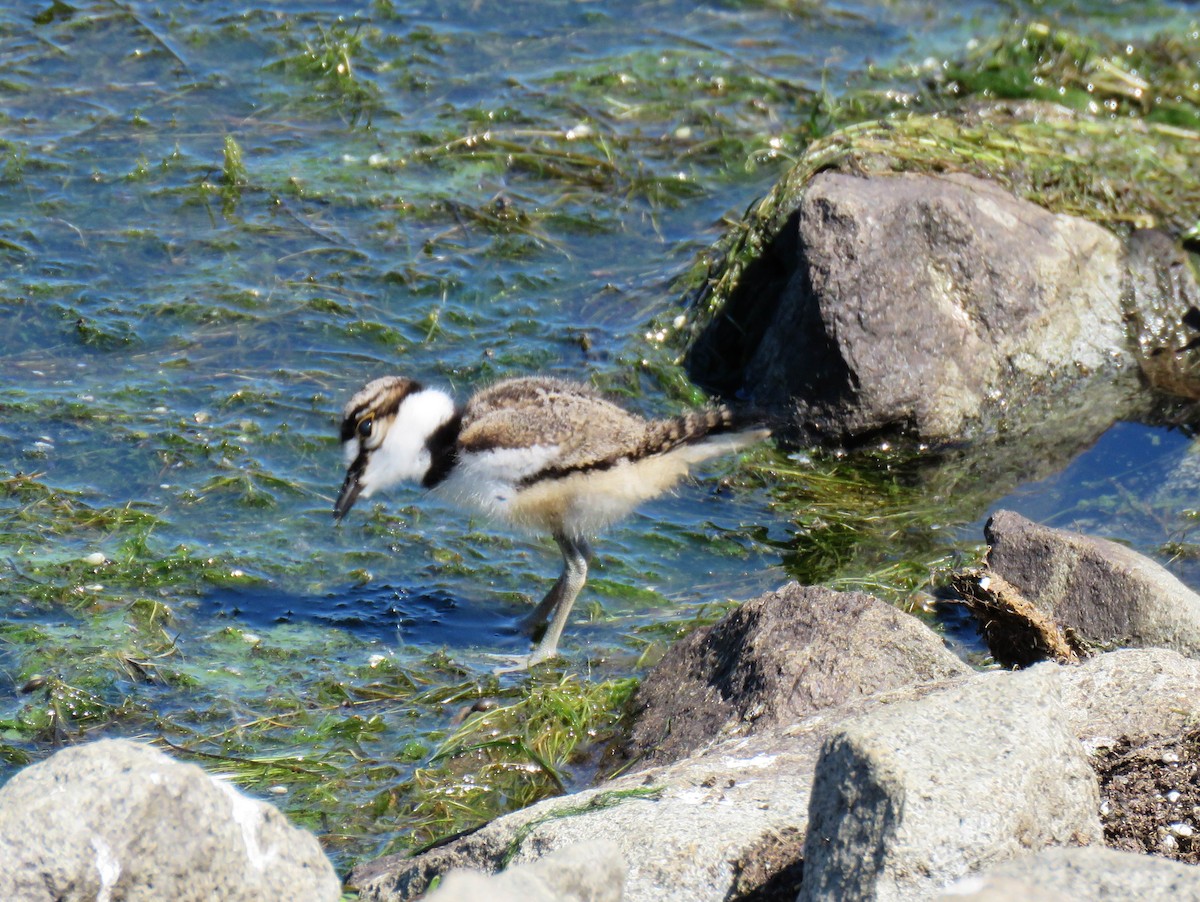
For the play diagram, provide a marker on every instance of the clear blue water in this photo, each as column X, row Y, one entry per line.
column 1137, row 484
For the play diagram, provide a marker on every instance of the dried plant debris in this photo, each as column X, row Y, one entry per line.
column 1016, row 631
column 1150, row 797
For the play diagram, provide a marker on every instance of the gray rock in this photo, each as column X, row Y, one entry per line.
column 939, row 306
column 908, row 798
column 120, row 820
column 587, row 872
column 1106, row 593
column 1095, row 874
column 776, row 660
column 1140, row 694
column 722, row 823
column 999, row 762
column 1163, row 297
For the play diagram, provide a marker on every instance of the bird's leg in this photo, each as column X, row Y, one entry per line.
column 539, row 615
column 575, row 569
column 557, row 604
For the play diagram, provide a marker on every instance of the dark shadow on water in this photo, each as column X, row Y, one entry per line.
column 380, row 612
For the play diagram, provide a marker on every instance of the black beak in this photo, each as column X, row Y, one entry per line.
column 351, row 488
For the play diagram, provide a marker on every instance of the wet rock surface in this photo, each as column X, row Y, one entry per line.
column 1163, row 298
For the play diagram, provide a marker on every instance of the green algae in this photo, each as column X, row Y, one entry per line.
column 1102, row 130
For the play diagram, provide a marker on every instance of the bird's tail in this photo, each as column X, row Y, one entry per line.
column 715, row 430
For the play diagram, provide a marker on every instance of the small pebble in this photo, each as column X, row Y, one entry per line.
column 278, row 790
column 95, row 559
column 1170, row 757
column 1173, row 796
column 1181, row 829
column 34, row 683
column 1168, row 843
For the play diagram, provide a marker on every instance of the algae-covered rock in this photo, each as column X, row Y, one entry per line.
column 961, row 280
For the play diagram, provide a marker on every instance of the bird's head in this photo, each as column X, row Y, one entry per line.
column 387, row 429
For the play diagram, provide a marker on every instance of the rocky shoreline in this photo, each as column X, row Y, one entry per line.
column 812, row 744
column 846, row 754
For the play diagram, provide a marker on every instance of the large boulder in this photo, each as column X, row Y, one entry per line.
column 774, row 661
column 943, row 308
column 926, row 304
column 119, row 820
column 908, row 798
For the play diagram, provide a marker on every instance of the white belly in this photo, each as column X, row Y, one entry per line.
column 580, row 504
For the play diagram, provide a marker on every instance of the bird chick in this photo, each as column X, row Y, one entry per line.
column 544, row 454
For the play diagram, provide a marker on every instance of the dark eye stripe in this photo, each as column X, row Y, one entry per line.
column 383, row 403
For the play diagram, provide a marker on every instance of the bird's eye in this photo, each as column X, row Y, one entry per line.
column 364, row 427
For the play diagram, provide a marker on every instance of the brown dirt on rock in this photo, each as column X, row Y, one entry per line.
column 1150, row 797
column 772, row 870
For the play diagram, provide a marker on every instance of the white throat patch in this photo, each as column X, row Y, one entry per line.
column 403, row 455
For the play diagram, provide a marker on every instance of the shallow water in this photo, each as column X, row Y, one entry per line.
column 217, row 220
